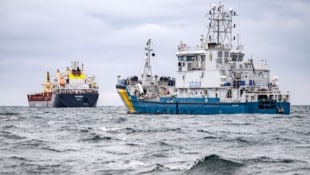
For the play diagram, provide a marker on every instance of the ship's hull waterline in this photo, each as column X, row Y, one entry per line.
column 68, row 100
column 195, row 106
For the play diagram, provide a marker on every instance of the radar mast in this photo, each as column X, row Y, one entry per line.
column 220, row 26
column 147, row 72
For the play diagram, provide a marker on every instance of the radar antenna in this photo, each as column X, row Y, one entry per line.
column 220, row 26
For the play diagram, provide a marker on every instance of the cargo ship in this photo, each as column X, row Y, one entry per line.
column 72, row 88
column 212, row 78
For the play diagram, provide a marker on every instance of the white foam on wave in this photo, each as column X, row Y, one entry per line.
column 107, row 129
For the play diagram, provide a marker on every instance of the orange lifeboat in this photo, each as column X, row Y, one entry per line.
column 62, row 81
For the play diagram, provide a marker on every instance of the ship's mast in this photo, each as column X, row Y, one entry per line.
column 47, row 85
column 147, row 72
column 47, row 77
column 220, row 26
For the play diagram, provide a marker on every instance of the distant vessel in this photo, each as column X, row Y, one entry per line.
column 69, row 89
column 212, row 78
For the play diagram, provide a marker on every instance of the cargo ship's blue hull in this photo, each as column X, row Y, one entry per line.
column 76, row 100
column 200, row 106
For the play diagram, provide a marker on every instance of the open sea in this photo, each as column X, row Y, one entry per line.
column 107, row 140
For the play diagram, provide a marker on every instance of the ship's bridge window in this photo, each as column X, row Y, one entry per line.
column 182, row 58
column 219, row 54
column 226, row 54
column 236, row 56
column 193, row 61
column 190, row 58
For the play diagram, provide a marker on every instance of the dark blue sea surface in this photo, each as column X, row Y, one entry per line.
column 107, row 140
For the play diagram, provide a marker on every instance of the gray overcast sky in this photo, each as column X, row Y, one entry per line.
column 109, row 37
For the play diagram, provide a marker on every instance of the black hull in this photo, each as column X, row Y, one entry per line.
column 76, row 100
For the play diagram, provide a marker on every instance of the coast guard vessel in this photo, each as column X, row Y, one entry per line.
column 69, row 89
column 212, row 78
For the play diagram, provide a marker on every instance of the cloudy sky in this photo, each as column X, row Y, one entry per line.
column 108, row 36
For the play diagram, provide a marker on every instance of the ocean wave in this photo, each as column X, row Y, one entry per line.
column 133, row 130
column 10, row 165
column 8, row 126
column 9, row 135
column 35, row 143
column 204, row 131
column 244, row 141
column 93, row 137
column 56, row 168
column 299, row 115
column 162, row 130
column 48, row 148
column 213, row 164
column 211, row 137
column 120, row 120
column 42, row 145
column 162, row 143
column 110, row 129
column 97, row 138
column 9, row 113
column 17, row 158
column 159, row 155
column 156, row 169
column 280, row 139
column 132, row 144
column 237, row 123
column 94, row 141
column 129, row 130
column 83, row 130
column 264, row 159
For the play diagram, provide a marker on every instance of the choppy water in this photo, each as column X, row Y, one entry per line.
column 107, row 140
